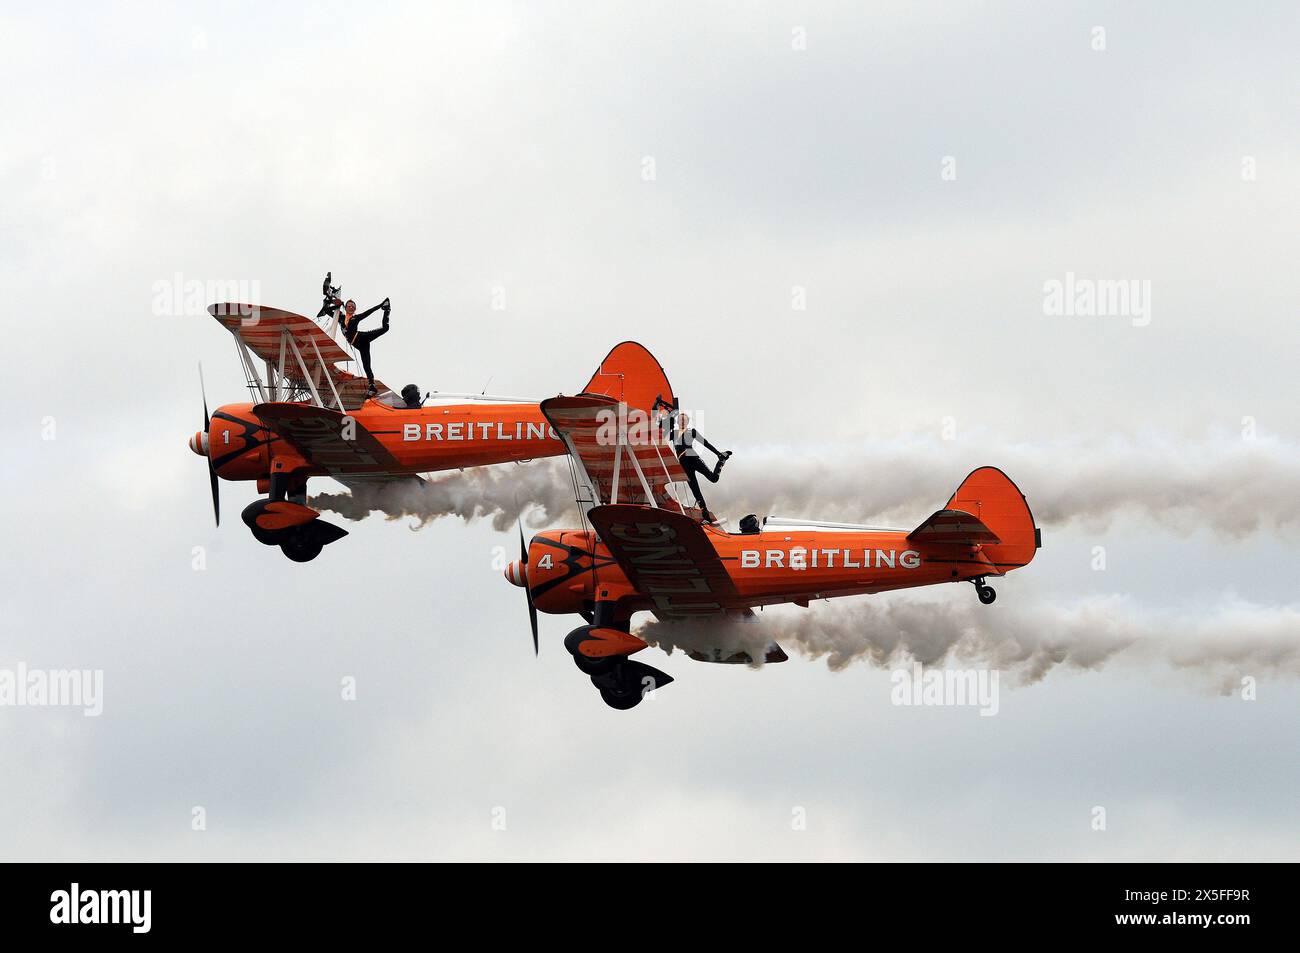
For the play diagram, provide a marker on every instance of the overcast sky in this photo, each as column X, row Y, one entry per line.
column 815, row 281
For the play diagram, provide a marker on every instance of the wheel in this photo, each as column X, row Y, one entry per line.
column 619, row 699
column 592, row 666
column 986, row 594
column 301, row 548
column 267, row 537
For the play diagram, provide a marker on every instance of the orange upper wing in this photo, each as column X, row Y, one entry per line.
column 269, row 332
column 262, row 327
column 622, row 451
column 669, row 558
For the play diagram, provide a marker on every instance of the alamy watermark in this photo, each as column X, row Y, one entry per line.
column 178, row 296
column 946, row 687
column 21, row 687
column 1098, row 298
column 635, row 427
column 79, row 905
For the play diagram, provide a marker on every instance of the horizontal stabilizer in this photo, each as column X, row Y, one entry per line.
column 953, row 526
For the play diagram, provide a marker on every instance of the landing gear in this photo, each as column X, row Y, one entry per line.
column 984, row 591
column 592, row 666
column 301, row 544
column 295, row 528
column 622, row 683
column 586, row 664
column 626, row 683
column 620, row 699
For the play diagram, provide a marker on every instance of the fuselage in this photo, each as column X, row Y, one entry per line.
column 566, row 568
column 438, row 436
column 633, row 556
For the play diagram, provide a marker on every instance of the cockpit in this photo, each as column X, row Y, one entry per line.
column 408, row 399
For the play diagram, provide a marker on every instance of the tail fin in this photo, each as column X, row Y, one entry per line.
column 989, row 495
column 631, row 374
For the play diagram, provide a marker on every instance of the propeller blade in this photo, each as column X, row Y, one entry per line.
column 212, row 471
column 528, row 591
column 216, row 497
column 204, row 391
column 532, row 620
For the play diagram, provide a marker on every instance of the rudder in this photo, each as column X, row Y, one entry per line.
column 989, row 495
column 631, row 374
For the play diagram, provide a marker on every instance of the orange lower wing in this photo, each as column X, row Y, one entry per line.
column 318, row 435
column 669, row 558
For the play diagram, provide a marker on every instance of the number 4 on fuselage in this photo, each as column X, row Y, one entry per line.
column 646, row 552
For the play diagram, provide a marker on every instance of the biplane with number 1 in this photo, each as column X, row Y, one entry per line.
column 311, row 417
column 642, row 549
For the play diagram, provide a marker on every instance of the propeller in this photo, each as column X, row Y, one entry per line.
column 528, row 592
column 212, row 471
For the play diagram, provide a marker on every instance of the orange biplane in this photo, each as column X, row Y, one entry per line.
column 643, row 550
column 311, row 417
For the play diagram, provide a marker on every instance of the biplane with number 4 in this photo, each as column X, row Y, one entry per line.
column 642, row 549
column 311, row 417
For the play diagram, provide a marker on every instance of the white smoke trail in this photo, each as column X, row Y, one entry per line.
column 1027, row 640
column 540, row 492
column 1232, row 487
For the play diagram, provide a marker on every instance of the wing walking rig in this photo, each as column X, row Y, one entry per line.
column 301, row 361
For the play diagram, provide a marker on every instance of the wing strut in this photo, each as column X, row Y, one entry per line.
column 636, row 464
column 618, row 466
column 254, row 378
column 302, row 366
column 279, row 375
column 338, row 401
